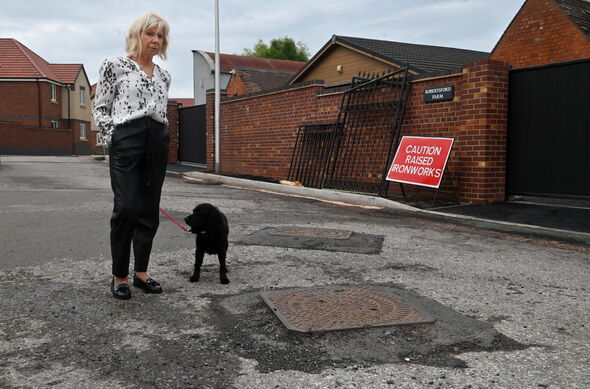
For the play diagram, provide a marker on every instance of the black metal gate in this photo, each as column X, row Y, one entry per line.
column 549, row 131
column 353, row 153
column 192, row 139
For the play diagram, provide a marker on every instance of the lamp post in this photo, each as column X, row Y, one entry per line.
column 217, row 90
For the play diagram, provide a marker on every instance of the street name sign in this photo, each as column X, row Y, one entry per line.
column 420, row 160
column 439, row 93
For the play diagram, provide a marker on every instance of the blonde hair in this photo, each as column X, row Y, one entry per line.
column 142, row 23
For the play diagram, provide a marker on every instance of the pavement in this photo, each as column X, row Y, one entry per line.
column 552, row 218
column 511, row 301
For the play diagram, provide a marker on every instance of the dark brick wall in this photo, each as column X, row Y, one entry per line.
column 539, row 34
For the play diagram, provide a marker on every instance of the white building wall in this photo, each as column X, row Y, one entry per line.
column 204, row 76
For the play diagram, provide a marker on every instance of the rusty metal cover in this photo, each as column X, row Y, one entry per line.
column 311, row 232
column 332, row 308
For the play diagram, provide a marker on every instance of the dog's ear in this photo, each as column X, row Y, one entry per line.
column 214, row 221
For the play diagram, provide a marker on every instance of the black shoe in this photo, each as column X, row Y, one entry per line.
column 149, row 286
column 121, row 291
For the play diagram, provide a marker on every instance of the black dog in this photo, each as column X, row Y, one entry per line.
column 211, row 227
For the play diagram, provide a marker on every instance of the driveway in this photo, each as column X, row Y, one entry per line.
column 510, row 309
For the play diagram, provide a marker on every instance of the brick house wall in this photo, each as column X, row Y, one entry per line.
column 29, row 103
column 26, row 113
column 258, row 132
column 236, row 86
column 19, row 102
column 539, row 34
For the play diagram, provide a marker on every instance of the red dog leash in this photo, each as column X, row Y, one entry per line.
column 174, row 221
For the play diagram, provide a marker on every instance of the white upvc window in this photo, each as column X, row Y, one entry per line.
column 82, row 97
column 53, row 93
column 54, row 124
column 83, row 131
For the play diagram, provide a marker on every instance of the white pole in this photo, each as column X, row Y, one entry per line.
column 217, row 89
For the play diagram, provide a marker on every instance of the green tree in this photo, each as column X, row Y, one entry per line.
column 279, row 48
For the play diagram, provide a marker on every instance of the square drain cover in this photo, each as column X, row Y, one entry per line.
column 311, row 232
column 315, row 238
column 332, row 308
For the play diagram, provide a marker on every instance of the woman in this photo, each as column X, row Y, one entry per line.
column 130, row 111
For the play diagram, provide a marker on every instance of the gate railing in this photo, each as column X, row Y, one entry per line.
column 353, row 153
column 310, row 154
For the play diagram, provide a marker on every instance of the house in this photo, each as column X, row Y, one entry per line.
column 44, row 108
column 239, row 74
column 244, row 80
column 343, row 57
column 546, row 31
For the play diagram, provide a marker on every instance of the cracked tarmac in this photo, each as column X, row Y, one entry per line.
column 510, row 312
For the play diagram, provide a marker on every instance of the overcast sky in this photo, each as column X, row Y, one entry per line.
column 81, row 31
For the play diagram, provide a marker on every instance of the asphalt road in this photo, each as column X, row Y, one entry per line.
column 512, row 310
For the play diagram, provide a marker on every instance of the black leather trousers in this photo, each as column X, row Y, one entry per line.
column 138, row 158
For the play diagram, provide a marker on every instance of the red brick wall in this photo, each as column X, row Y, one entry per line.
column 18, row 139
column 539, row 34
column 19, row 99
column 172, row 114
column 477, row 119
column 258, row 132
column 20, row 103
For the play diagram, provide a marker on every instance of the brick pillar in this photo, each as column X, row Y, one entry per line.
column 483, row 125
column 172, row 114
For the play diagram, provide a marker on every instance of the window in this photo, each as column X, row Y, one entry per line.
column 82, row 131
column 54, row 124
column 53, row 93
column 82, row 91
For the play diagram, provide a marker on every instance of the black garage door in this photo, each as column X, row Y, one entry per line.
column 549, row 131
column 192, row 139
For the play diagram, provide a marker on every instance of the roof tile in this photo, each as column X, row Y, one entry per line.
column 18, row 61
column 424, row 57
column 67, row 73
column 256, row 80
column 578, row 11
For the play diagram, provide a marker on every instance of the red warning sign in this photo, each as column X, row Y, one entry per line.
column 420, row 160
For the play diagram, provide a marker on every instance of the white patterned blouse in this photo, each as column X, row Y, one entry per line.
column 124, row 93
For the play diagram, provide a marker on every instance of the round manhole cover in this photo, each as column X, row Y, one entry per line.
column 336, row 308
